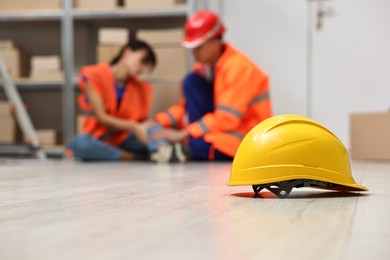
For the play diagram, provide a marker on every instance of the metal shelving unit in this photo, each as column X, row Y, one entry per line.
column 38, row 84
column 31, row 16
column 26, row 83
column 179, row 11
column 69, row 18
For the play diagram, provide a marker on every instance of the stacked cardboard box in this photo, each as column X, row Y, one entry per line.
column 172, row 58
column 140, row 4
column 96, row 4
column 172, row 65
column 13, row 59
column 6, row 44
column 370, row 136
column 8, row 132
column 46, row 67
column 24, row 5
column 165, row 95
column 46, row 137
column 110, row 42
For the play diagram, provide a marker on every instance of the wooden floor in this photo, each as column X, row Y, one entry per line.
column 73, row 210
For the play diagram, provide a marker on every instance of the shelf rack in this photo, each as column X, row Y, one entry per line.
column 67, row 17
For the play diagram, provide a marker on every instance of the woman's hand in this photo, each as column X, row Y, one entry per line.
column 141, row 130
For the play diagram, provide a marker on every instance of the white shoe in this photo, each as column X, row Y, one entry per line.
column 181, row 157
column 163, row 154
column 169, row 154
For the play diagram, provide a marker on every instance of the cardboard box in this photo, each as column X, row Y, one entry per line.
column 165, row 95
column 7, row 130
column 370, row 136
column 6, row 44
column 113, row 36
column 12, row 60
column 46, row 137
column 95, row 4
column 23, row 5
column 52, row 62
column 163, row 37
column 105, row 52
column 47, row 75
column 135, row 4
column 46, row 67
column 16, row 60
column 6, row 109
column 172, row 62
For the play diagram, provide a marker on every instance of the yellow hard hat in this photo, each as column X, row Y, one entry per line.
column 288, row 151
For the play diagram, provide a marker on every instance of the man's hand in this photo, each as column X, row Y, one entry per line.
column 141, row 130
column 171, row 135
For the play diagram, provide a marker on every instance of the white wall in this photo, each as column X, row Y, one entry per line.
column 273, row 34
column 350, row 67
column 351, row 63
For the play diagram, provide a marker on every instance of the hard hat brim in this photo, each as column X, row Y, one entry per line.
column 352, row 186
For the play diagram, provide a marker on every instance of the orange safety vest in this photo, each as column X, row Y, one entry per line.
column 134, row 105
column 241, row 98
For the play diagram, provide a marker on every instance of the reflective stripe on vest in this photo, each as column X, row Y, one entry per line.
column 259, row 98
column 203, row 125
column 236, row 134
column 174, row 122
column 230, row 110
column 87, row 113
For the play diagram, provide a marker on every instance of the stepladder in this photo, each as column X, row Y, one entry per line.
column 22, row 117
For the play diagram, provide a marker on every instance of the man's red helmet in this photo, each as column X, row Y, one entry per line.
column 200, row 27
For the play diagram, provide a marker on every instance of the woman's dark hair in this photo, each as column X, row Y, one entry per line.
column 136, row 45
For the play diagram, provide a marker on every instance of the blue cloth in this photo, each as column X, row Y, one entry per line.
column 88, row 148
column 85, row 78
column 199, row 95
column 119, row 89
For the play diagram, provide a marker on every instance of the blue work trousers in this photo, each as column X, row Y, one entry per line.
column 87, row 148
column 199, row 95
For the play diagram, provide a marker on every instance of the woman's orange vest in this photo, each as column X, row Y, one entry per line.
column 135, row 104
column 241, row 98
